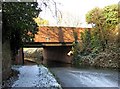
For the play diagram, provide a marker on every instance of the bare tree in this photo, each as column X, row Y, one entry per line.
column 52, row 7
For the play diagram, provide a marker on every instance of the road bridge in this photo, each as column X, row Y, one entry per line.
column 56, row 42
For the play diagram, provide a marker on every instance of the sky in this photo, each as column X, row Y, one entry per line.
column 75, row 9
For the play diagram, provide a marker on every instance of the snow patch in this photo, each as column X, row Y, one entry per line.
column 35, row 76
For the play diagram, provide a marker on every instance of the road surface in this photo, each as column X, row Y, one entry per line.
column 89, row 78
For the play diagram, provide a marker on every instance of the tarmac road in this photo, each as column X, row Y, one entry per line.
column 86, row 78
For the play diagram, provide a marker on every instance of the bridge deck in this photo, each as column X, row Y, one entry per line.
column 43, row 44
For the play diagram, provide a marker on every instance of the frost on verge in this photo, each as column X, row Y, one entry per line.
column 35, row 76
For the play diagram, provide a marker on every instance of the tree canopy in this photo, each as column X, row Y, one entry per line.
column 105, row 21
column 18, row 21
column 107, row 16
column 102, row 40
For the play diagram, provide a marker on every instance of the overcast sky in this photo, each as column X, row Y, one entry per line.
column 76, row 8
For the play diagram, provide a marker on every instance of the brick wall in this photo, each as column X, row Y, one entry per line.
column 57, row 34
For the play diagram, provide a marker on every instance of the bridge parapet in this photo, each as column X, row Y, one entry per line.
column 57, row 34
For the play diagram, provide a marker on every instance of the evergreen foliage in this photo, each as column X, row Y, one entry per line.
column 18, row 20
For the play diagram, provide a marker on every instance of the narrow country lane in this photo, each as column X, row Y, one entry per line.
column 35, row 76
column 89, row 78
